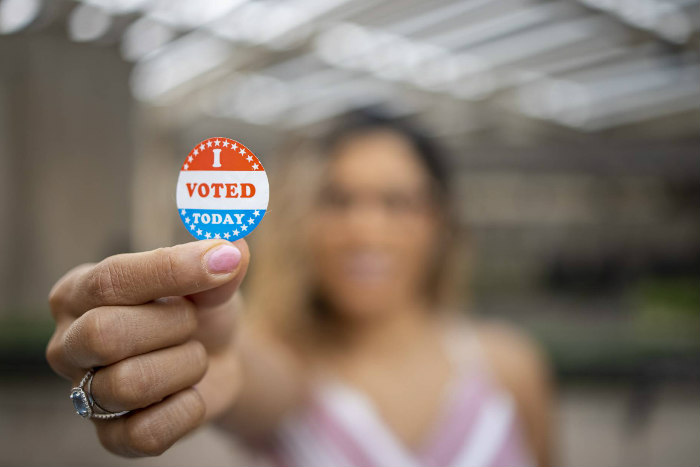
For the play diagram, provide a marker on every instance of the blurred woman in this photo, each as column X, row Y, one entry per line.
column 355, row 277
column 352, row 351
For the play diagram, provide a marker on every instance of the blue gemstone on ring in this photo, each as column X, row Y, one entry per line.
column 80, row 402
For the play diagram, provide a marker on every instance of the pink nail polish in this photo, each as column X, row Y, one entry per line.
column 223, row 259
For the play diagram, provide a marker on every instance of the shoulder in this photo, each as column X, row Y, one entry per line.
column 520, row 366
column 513, row 355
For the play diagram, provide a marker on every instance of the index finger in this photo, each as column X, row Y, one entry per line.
column 137, row 278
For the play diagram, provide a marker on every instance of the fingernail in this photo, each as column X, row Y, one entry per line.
column 223, row 259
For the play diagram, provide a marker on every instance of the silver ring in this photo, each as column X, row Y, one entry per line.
column 84, row 404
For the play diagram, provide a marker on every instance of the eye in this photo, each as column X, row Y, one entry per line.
column 335, row 199
column 402, row 202
column 398, row 202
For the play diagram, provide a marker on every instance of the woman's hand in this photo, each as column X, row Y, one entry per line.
column 159, row 327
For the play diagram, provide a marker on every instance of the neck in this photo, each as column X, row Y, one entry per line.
column 398, row 327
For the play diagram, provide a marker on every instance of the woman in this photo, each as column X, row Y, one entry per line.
column 349, row 353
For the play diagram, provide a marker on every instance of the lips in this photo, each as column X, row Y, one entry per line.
column 367, row 267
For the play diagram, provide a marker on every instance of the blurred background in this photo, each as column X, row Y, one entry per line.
column 573, row 130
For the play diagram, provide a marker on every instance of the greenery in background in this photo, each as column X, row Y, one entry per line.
column 24, row 337
column 658, row 321
column 668, row 309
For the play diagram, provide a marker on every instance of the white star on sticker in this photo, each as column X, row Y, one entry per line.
column 199, row 231
column 217, row 142
column 186, row 166
column 255, row 166
column 208, row 144
column 192, row 226
column 234, row 146
column 183, row 212
column 235, row 232
column 196, row 151
column 191, row 159
column 187, row 220
column 256, row 213
column 217, row 236
column 249, row 158
column 207, row 235
column 227, row 235
column 242, row 151
column 201, row 148
column 251, row 220
column 225, row 144
column 244, row 227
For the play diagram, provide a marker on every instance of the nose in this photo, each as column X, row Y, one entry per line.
column 366, row 221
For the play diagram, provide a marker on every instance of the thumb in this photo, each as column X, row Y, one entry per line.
column 215, row 307
column 226, row 257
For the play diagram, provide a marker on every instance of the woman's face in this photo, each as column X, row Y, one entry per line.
column 374, row 229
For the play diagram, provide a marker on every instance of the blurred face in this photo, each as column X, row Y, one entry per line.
column 374, row 228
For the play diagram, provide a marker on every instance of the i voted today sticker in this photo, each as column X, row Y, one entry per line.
column 222, row 190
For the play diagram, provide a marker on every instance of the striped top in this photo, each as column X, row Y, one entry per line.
column 340, row 426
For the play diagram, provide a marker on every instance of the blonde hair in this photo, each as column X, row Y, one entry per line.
column 281, row 289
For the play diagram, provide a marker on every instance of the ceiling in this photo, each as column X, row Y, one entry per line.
column 584, row 66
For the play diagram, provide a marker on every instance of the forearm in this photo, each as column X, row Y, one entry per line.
column 269, row 383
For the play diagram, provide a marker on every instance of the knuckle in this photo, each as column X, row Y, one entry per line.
column 57, row 298
column 91, row 334
column 193, row 406
column 165, row 267
column 183, row 309
column 182, row 314
column 107, row 279
column 53, row 351
column 189, row 308
column 146, row 438
column 150, row 436
column 97, row 331
column 62, row 294
column 130, row 382
column 189, row 316
column 55, row 354
column 199, row 356
column 107, row 434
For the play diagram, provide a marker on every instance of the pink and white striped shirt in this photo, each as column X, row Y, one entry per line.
column 340, row 427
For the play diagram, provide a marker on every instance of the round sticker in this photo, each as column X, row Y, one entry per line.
column 222, row 190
